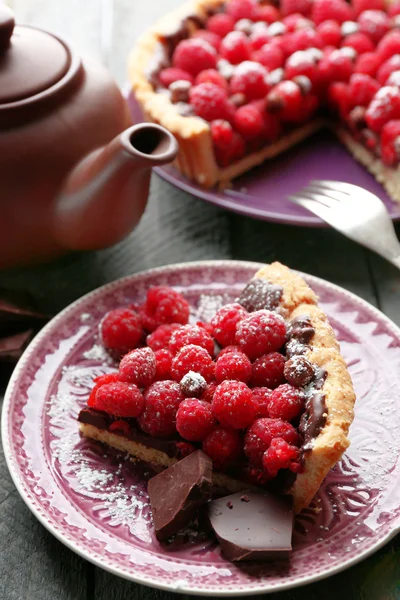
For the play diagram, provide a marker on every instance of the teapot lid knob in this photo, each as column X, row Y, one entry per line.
column 7, row 23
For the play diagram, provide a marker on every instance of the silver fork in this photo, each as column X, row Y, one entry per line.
column 355, row 212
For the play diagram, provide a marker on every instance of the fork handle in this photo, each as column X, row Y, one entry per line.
column 395, row 261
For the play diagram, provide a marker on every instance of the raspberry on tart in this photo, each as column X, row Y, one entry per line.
column 273, row 409
column 239, row 82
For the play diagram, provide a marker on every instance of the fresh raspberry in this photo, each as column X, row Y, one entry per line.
column 191, row 334
column 235, row 152
column 261, row 332
column 394, row 79
column 260, row 434
column 221, row 133
column 244, row 25
column 241, row 9
column 360, row 6
column 270, row 57
column 303, row 39
column 210, row 102
column 359, row 41
column 209, row 392
column 387, row 68
column 184, row 449
column 194, row 419
column 394, row 9
column 193, row 385
column 337, row 66
column 208, row 36
column 121, row 331
column 138, row 367
column 296, row 21
column 171, row 74
column 234, row 365
column 165, row 305
column 339, row 98
column 298, row 371
column 119, row 399
column 259, row 38
column 389, row 45
column 335, row 10
column 374, row 23
column 330, row 33
column 192, row 358
column 266, row 13
column 235, row 47
column 249, row 79
column 249, row 122
column 225, row 321
column 159, row 339
column 163, row 364
column 367, row 63
column 99, row 381
column 362, row 89
column 212, row 76
column 302, row 63
column 233, row 404
column 228, row 350
column 206, row 326
column 356, row 119
column 384, row 107
column 280, row 455
column 121, row 427
column 194, row 55
column 221, row 24
column 268, row 370
column 272, row 127
column 309, row 106
column 223, row 446
column 285, row 100
column 262, row 396
column 162, row 400
column 286, row 403
column 390, row 143
column 289, row 7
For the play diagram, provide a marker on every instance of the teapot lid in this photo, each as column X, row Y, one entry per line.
column 31, row 60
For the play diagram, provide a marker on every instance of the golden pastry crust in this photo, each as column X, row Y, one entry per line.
column 196, row 157
column 323, row 351
column 299, row 300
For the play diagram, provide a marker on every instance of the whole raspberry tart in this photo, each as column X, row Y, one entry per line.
column 262, row 389
column 241, row 81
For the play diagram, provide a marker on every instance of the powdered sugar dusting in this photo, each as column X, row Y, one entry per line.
column 98, row 353
column 208, row 306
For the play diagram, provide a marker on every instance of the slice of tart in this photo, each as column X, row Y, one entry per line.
column 262, row 389
column 241, row 81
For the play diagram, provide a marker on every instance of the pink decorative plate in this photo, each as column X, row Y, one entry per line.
column 96, row 503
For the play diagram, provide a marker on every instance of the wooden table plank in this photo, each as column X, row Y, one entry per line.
column 33, row 564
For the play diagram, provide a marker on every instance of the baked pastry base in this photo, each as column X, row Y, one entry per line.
column 327, row 448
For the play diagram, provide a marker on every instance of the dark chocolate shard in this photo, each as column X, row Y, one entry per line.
column 260, row 295
column 12, row 347
column 258, row 529
column 177, row 493
column 17, row 311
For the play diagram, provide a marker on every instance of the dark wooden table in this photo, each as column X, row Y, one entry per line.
column 175, row 228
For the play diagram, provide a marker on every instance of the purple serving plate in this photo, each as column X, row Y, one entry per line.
column 96, row 503
column 262, row 192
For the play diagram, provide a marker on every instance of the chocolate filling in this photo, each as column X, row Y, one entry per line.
column 259, row 294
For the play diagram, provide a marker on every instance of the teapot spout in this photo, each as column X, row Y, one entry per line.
column 105, row 195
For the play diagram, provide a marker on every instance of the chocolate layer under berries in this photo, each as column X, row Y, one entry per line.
column 238, row 90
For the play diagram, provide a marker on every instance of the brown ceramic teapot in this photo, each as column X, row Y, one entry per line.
column 61, row 187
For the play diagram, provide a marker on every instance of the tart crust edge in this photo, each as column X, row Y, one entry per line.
column 196, row 158
column 299, row 300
